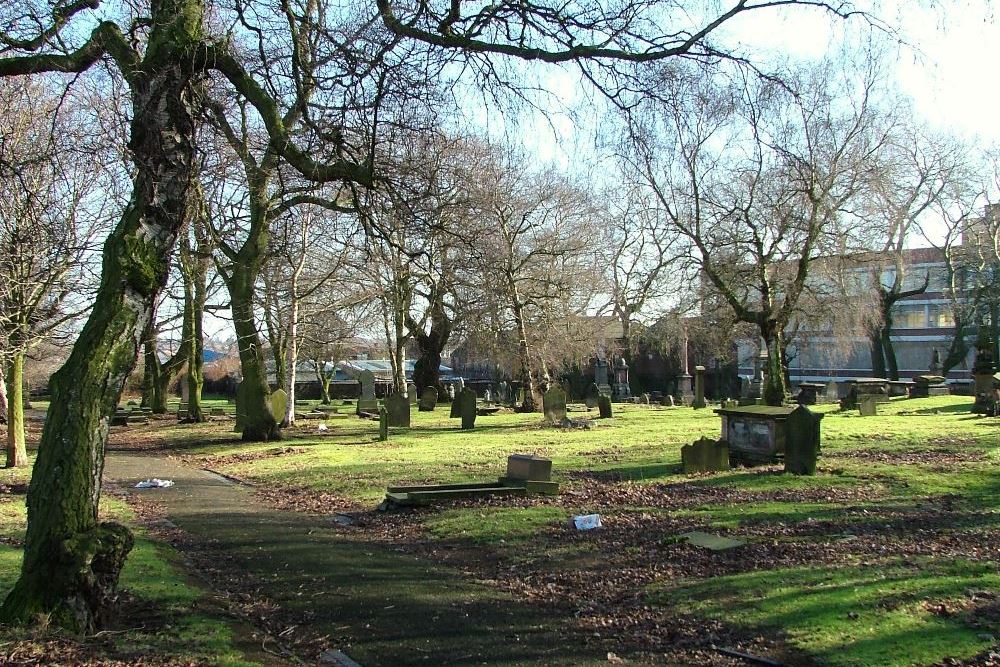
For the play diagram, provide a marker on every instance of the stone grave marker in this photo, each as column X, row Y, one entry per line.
column 367, row 380
column 456, row 406
column 832, row 392
column 428, row 399
column 699, row 388
column 487, row 396
column 451, row 392
column 593, row 394
column 868, row 406
column 705, row 455
column 411, row 393
column 644, row 399
column 604, row 405
column 711, row 541
column 529, row 467
column 383, row 424
column 398, row 408
column 554, row 404
column 668, row 401
column 802, row 441
column 467, row 408
column 278, row 402
column 459, row 385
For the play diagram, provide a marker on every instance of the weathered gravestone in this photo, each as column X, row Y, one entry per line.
column 593, row 394
column 398, row 408
column 428, row 399
column 868, row 406
column 411, row 393
column 802, row 441
column 467, row 408
column 456, row 404
column 450, row 390
column 604, row 404
column 644, row 399
column 554, row 404
column 705, row 455
column 487, row 396
column 459, row 386
column 383, row 424
column 367, row 402
column 699, row 388
column 278, row 403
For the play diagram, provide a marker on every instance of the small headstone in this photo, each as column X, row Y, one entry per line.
column 593, row 394
column 604, row 404
column 668, row 401
column 467, row 408
column 368, row 405
column 832, row 392
column 699, row 387
column 451, row 392
column 802, row 441
column 868, row 406
column 456, row 407
column 428, row 399
column 487, row 396
column 367, row 380
column 705, row 455
column 411, row 393
column 503, row 392
column 554, row 404
column 398, row 408
column 383, row 424
column 459, row 386
column 278, row 402
column 644, row 399
column 529, row 467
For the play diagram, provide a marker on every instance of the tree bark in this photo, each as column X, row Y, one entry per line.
column 877, row 353
column 17, row 454
column 775, row 388
column 71, row 563
column 259, row 425
column 3, row 397
column 530, row 403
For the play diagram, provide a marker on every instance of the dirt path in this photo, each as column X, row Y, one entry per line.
column 379, row 606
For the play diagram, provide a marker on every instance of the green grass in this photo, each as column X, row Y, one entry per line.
column 852, row 616
column 174, row 627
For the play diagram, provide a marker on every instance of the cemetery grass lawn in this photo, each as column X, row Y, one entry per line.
column 163, row 618
column 888, row 556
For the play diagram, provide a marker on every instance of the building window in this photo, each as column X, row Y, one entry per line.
column 909, row 317
column 941, row 316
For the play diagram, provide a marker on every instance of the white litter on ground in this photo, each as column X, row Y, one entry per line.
column 154, row 484
column 321, row 428
column 587, row 521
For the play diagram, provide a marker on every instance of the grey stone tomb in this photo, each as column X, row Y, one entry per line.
column 554, row 404
column 398, row 408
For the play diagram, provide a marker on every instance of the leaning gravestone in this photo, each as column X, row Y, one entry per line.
column 802, row 441
column 398, row 407
column 604, row 404
column 467, row 408
column 705, row 455
column 278, row 403
column 456, row 406
column 868, row 406
column 554, row 405
column 383, row 424
column 428, row 400
column 593, row 394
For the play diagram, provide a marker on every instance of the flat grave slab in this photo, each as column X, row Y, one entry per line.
column 711, row 541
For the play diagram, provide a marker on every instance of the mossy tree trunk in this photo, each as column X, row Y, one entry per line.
column 71, row 562
column 775, row 389
column 17, row 454
column 194, row 266
column 252, row 399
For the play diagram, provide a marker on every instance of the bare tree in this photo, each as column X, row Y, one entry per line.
column 758, row 177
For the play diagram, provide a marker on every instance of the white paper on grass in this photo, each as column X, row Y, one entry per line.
column 587, row 521
column 154, row 484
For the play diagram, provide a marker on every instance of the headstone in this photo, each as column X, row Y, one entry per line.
column 699, row 388
column 278, row 402
column 802, row 441
column 604, row 404
column 398, row 408
column 503, row 392
column 832, row 391
column 593, row 393
column 411, row 393
column 367, row 380
column 622, row 390
column 529, row 467
column 467, row 408
column 644, row 399
column 428, row 400
column 554, row 404
column 487, row 396
column 705, row 455
column 668, row 401
column 383, row 424
column 456, row 408
column 868, row 406
column 366, row 405
column 451, row 392
column 459, row 386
